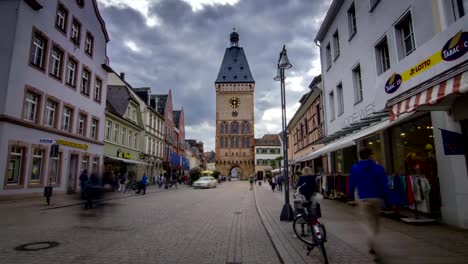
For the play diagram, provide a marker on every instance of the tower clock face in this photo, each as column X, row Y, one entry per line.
column 234, row 102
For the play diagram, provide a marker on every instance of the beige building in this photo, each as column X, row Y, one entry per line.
column 267, row 151
column 235, row 114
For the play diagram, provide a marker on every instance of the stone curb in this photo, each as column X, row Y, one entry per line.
column 277, row 244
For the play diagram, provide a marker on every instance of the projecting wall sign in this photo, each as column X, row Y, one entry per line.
column 455, row 48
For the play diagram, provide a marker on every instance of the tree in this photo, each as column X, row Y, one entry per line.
column 273, row 164
column 194, row 174
column 216, row 174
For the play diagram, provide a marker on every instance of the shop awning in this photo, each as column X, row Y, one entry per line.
column 347, row 141
column 129, row 161
column 430, row 97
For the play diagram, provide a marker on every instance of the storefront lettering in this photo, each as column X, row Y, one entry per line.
column 124, row 155
column 455, row 47
column 356, row 116
column 72, row 144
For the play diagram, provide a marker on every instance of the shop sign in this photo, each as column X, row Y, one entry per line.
column 46, row 141
column 124, row 155
column 72, row 144
column 455, row 48
column 393, row 83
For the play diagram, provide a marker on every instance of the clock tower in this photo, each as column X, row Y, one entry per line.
column 235, row 114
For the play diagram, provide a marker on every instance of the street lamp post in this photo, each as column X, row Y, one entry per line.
column 287, row 213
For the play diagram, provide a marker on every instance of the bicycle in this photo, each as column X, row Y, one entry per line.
column 312, row 232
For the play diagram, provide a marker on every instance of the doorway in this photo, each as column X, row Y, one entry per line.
column 235, row 173
column 72, row 173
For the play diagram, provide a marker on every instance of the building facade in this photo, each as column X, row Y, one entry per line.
column 210, row 160
column 235, row 129
column 394, row 77
column 124, row 132
column 53, row 76
column 152, row 141
column 306, row 129
column 268, row 155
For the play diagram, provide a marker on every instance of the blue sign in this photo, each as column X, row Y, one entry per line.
column 46, row 141
column 393, row 83
column 453, row 143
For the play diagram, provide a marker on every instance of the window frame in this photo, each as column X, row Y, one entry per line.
column 45, row 50
column 331, row 99
column 56, row 113
column 96, row 128
column 328, row 56
column 75, row 73
column 44, row 160
column 340, row 98
column 336, row 45
column 373, row 4
column 85, row 125
column 97, row 79
column 109, row 128
column 23, row 165
column 59, row 76
column 71, row 120
column 381, row 62
column 352, row 21
column 40, row 95
column 66, row 11
column 76, row 41
column 400, row 38
column 85, row 69
column 90, row 36
column 357, row 90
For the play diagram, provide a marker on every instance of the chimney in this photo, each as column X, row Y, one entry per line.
column 122, row 75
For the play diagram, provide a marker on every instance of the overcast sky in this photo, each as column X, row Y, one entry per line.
column 179, row 45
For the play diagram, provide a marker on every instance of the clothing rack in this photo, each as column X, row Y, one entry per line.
column 417, row 218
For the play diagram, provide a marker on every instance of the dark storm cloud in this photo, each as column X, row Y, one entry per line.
column 185, row 50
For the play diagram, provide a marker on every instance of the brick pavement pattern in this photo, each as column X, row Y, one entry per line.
column 218, row 225
column 398, row 242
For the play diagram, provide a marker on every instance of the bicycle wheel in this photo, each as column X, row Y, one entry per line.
column 303, row 231
column 320, row 242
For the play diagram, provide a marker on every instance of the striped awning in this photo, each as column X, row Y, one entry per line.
column 431, row 96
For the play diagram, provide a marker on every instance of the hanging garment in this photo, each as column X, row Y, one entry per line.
column 324, row 184
column 409, row 190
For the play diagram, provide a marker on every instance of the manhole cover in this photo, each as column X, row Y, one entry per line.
column 36, row 246
column 237, row 212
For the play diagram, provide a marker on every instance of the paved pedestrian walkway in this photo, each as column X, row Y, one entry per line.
column 398, row 242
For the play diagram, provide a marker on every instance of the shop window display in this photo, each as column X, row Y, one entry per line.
column 413, row 155
column 374, row 143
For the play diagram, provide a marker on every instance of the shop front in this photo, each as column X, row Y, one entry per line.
column 119, row 161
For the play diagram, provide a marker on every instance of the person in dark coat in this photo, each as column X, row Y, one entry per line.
column 83, row 180
column 310, row 181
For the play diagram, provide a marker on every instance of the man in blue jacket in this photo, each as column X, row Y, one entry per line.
column 371, row 181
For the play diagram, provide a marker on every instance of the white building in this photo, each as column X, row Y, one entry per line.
column 52, row 74
column 267, row 151
column 152, row 143
column 400, row 56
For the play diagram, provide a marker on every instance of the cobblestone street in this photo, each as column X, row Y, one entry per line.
column 179, row 226
column 229, row 224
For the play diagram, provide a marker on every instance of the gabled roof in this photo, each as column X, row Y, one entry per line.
column 143, row 93
column 268, row 140
column 210, row 156
column 176, row 114
column 234, row 68
column 119, row 97
column 158, row 102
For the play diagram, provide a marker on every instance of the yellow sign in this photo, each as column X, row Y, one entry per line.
column 428, row 63
column 72, row 144
column 127, row 155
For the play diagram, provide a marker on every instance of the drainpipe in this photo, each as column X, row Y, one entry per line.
column 322, row 97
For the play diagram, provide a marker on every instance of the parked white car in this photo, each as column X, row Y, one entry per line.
column 205, row 182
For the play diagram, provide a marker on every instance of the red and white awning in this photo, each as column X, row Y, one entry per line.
column 431, row 96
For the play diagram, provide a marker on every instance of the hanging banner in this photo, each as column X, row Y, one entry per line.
column 453, row 143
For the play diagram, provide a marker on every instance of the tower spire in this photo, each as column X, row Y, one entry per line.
column 234, row 37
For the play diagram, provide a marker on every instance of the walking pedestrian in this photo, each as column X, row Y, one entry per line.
column 142, row 184
column 280, row 183
column 83, row 180
column 122, row 181
column 371, row 181
column 273, row 183
column 251, row 180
